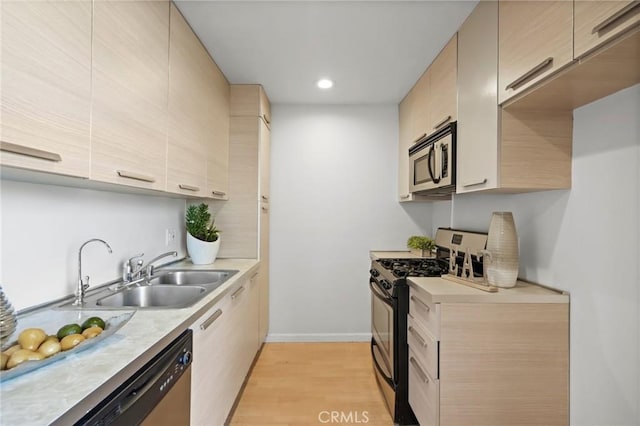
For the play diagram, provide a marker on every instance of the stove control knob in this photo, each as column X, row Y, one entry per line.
column 373, row 272
column 386, row 284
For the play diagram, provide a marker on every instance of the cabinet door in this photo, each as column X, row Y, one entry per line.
column 265, row 107
column 477, row 138
column 211, row 358
column 265, row 160
column 218, row 134
column 536, row 39
column 263, row 276
column 443, row 93
column 596, row 22
column 404, row 126
column 46, row 86
column 420, row 108
column 190, row 70
column 129, row 103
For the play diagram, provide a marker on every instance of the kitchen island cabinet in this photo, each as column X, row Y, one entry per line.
column 488, row 359
column 46, row 86
column 129, row 100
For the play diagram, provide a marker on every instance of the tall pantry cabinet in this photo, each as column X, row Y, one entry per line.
column 245, row 217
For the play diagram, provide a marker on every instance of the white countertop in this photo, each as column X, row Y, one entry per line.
column 62, row 392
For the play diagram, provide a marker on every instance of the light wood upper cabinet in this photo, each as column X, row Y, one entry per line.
column 420, row 113
column 129, row 105
column 596, row 22
column 46, row 86
column 189, row 110
column 443, row 89
column 535, row 40
column 218, row 135
column 499, row 150
column 265, row 161
column 250, row 100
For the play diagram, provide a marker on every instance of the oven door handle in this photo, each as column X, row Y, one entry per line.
column 380, row 370
column 432, row 151
column 374, row 289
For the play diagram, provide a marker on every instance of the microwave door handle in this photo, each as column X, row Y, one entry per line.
column 438, row 154
column 433, row 178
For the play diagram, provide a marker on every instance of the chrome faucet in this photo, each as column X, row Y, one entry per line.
column 131, row 271
column 149, row 267
column 83, row 282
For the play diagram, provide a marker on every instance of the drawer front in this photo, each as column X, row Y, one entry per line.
column 424, row 346
column 424, row 393
column 426, row 313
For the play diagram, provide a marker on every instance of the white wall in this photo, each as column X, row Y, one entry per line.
column 333, row 198
column 586, row 241
column 43, row 227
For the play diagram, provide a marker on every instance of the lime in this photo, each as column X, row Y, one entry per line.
column 69, row 329
column 94, row 321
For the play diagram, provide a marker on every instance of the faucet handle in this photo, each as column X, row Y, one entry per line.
column 137, row 256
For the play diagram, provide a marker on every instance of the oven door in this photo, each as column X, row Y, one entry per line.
column 382, row 329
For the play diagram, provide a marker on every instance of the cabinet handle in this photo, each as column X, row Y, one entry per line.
column 211, row 319
column 615, row 17
column 419, row 337
column 405, row 196
column 265, row 209
column 253, row 276
column 218, row 193
column 237, row 293
column 189, row 187
column 264, row 197
column 419, row 137
column 421, row 373
column 530, row 74
column 30, row 152
column 135, row 176
column 442, row 122
column 420, row 302
column 266, row 119
column 474, row 183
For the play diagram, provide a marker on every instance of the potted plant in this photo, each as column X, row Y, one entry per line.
column 203, row 239
column 421, row 245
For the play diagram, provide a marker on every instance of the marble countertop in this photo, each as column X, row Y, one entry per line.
column 61, row 393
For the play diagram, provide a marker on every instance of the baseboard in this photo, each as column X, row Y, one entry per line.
column 318, row 337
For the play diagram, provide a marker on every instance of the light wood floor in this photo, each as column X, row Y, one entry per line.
column 296, row 384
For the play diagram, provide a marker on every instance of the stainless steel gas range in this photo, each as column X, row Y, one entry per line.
column 390, row 306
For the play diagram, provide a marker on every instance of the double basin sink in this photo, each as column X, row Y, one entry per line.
column 174, row 288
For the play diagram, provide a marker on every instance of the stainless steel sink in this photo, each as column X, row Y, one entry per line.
column 168, row 288
column 154, row 296
column 189, row 277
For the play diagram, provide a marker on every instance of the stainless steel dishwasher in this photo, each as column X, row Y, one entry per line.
column 157, row 394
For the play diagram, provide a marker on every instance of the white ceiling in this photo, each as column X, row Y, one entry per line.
column 373, row 50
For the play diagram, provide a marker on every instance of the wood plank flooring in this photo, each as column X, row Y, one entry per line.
column 298, row 384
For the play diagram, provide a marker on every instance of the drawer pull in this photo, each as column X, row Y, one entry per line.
column 135, row 176
column 442, row 122
column 419, row 137
column 218, row 193
column 266, row 119
column 420, row 302
column 237, row 293
column 189, row 187
column 265, row 209
column 474, row 183
column 211, row 319
column 530, row 74
column 419, row 337
column 30, row 152
column 405, row 196
column 265, row 198
column 421, row 373
column 615, row 17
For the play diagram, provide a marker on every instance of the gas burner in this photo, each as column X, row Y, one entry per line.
column 402, row 268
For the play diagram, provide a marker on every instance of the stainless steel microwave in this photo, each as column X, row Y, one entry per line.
column 432, row 163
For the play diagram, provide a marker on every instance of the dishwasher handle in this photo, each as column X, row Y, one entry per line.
column 140, row 391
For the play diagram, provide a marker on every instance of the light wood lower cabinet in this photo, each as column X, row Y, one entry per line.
column 46, row 86
column 225, row 343
column 596, row 22
column 129, row 105
column 494, row 364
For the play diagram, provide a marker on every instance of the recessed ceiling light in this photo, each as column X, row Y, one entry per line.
column 325, row 83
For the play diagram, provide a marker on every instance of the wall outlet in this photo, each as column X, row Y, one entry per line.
column 170, row 238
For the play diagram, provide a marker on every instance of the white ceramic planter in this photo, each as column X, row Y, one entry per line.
column 202, row 252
